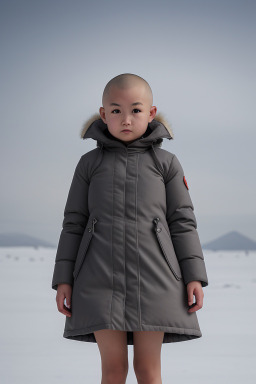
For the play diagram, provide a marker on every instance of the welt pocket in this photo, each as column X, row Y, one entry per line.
column 86, row 239
column 166, row 245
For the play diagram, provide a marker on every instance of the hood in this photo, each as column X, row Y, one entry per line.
column 96, row 129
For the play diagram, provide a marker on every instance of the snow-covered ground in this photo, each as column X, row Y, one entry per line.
column 33, row 350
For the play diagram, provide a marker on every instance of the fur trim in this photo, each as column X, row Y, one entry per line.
column 87, row 124
column 159, row 117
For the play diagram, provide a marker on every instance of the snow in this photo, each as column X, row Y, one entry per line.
column 33, row 350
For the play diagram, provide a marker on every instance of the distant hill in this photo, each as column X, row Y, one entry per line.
column 232, row 241
column 19, row 240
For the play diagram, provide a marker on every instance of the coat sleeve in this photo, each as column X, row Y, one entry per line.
column 76, row 216
column 183, row 226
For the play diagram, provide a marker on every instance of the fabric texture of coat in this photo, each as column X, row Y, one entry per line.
column 129, row 243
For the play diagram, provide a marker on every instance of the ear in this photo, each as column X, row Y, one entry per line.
column 103, row 114
column 153, row 111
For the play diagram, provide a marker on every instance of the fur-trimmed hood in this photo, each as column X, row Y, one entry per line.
column 96, row 129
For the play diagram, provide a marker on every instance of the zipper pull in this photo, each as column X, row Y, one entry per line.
column 94, row 221
column 156, row 220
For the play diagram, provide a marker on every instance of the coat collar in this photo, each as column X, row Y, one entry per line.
column 96, row 129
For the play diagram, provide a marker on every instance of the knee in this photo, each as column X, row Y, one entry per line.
column 115, row 373
column 145, row 371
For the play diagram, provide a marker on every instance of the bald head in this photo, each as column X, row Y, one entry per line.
column 126, row 81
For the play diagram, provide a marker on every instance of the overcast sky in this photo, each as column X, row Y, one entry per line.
column 198, row 57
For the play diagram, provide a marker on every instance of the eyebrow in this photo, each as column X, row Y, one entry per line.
column 118, row 105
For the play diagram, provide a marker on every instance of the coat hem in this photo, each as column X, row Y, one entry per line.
column 171, row 334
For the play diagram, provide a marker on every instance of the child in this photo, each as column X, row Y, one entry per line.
column 129, row 259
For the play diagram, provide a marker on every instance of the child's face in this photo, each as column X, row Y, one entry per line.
column 127, row 112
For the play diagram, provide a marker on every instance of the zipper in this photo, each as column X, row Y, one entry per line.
column 158, row 230
column 90, row 229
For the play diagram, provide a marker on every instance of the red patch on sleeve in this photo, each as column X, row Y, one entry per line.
column 185, row 182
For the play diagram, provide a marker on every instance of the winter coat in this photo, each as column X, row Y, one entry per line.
column 129, row 243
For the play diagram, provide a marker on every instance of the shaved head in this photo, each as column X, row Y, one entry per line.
column 125, row 81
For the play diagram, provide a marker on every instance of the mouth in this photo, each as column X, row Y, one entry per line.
column 126, row 130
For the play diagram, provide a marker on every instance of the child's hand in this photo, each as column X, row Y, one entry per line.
column 64, row 291
column 195, row 288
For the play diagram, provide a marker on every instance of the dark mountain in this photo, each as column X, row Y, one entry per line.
column 232, row 241
column 19, row 240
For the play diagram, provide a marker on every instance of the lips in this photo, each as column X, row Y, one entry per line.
column 126, row 130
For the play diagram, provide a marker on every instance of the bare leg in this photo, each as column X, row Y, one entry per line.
column 147, row 356
column 114, row 355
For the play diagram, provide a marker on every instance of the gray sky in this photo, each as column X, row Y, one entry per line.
column 198, row 57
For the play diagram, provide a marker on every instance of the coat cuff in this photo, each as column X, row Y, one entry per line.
column 63, row 273
column 194, row 270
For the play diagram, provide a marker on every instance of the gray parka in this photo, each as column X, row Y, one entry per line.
column 129, row 243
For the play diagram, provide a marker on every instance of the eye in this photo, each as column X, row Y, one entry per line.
column 136, row 110
column 115, row 111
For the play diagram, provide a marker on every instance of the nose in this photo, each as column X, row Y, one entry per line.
column 126, row 120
